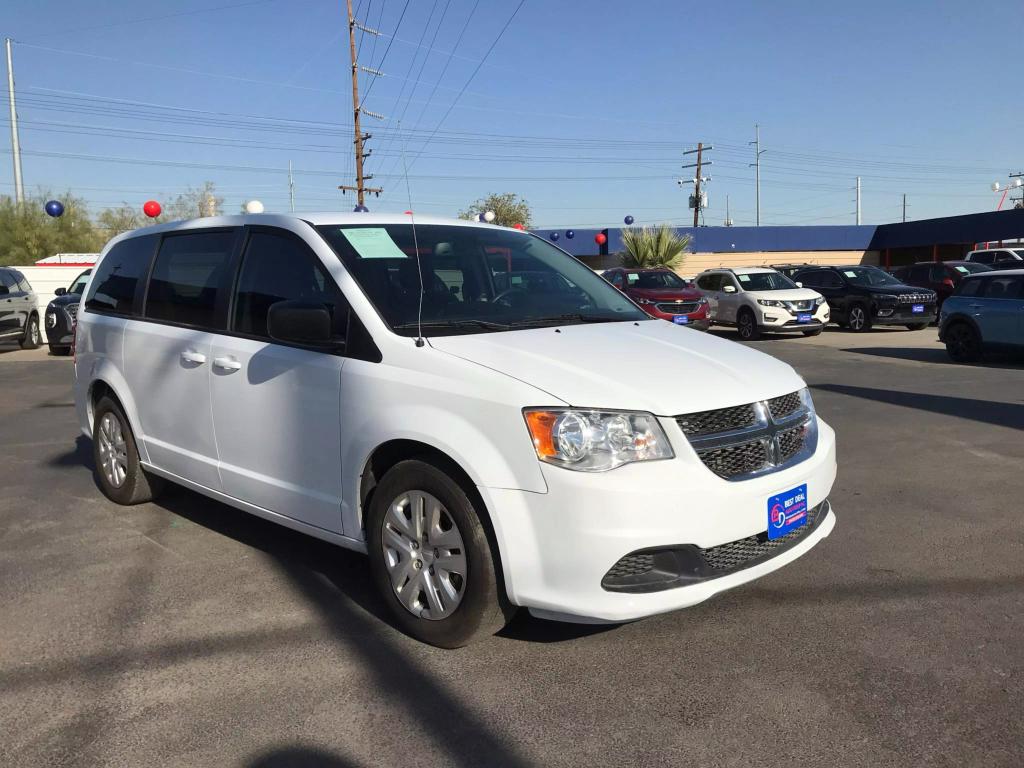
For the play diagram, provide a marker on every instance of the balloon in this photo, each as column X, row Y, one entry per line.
column 570, row 234
column 629, row 220
column 360, row 209
column 489, row 216
column 518, row 226
column 151, row 208
column 554, row 237
column 600, row 238
column 254, row 206
column 54, row 208
column 480, row 217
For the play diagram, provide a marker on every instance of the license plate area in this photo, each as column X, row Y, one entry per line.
column 787, row 511
column 803, row 318
column 917, row 309
column 681, row 320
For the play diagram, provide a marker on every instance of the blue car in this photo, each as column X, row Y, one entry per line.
column 985, row 313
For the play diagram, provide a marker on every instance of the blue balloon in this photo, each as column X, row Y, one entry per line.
column 629, row 220
column 554, row 237
column 54, row 208
column 480, row 217
column 570, row 234
column 360, row 209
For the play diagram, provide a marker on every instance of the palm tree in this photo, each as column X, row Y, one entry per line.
column 660, row 246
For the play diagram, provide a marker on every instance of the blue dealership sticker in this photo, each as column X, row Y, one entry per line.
column 803, row 318
column 681, row 319
column 787, row 511
column 917, row 309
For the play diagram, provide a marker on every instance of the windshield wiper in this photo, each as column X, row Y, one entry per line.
column 578, row 317
column 464, row 323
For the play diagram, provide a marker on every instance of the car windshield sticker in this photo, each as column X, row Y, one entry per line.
column 744, row 278
column 965, row 270
column 633, row 277
column 848, row 273
column 373, row 243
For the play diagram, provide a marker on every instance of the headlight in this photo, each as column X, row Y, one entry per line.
column 642, row 300
column 702, row 300
column 819, row 301
column 595, row 441
column 51, row 319
column 770, row 303
column 886, row 297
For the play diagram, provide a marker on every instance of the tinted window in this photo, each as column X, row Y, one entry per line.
column 655, row 280
column 279, row 268
column 766, row 281
column 615, row 278
column 938, row 273
column 7, row 282
column 1005, row 256
column 710, row 282
column 185, row 278
column 1002, row 288
column 118, row 273
column 970, row 286
column 79, row 285
column 983, row 257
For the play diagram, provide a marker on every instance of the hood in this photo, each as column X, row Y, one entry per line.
column 898, row 290
column 67, row 298
column 793, row 294
column 652, row 366
column 665, row 294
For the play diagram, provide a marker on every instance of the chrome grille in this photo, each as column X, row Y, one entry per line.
column 916, row 298
column 801, row 306
column 672, row 308
column 749, row 440
column 736, row 554
column 720, row 420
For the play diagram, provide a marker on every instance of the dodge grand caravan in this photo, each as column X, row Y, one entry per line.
column 384, row 385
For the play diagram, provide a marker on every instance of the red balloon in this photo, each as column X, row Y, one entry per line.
column 518, row 226
column 600, row 238
column 151, row 208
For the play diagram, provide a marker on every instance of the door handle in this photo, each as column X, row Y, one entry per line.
column 227, row 363
column 191, row 356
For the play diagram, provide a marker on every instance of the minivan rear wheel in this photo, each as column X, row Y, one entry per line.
column 118, row 471
column 431, row 559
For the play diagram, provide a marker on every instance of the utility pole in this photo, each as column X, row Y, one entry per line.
column 858, row 200
column 757, row 173
column 728, row 219
column 1020, row 199
column 904, row 207
column 360, row 189
column 697, row 199
column 291, row 187
column 19, row 189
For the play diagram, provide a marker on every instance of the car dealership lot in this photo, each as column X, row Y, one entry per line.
column 188, row 633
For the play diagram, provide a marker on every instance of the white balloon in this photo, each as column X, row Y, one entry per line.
column 995, row 186
column 489, row 216
column 254, row 206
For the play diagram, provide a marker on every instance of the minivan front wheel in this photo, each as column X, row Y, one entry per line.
column 118, row 471
column 431, row 559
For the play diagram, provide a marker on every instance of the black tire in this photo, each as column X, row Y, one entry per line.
column 917, row 326
column 32, row 337
column 483, row 608
column 746, row 325
column 138, row 486
column 60, row 351
column 814, row 332
column 859, row 318
column 963, row 344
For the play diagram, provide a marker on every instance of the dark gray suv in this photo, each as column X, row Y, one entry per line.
column 19, row 313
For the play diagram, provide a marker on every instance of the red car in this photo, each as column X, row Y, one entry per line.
column 662, row 294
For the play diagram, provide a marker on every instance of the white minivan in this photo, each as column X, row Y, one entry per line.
column 415, row 391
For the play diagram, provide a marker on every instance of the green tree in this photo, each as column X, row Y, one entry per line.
column 509, row 209
column 660, row 246
column 27, row 234
column 195, row 203
column 113, row 221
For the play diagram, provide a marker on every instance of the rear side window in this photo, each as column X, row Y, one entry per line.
column 970, row 286
column 7, row 282
column 280, row 268
column 186, row 277
column 1003, row 287
column 983, row 257
column 710, row 282
column 118, row 274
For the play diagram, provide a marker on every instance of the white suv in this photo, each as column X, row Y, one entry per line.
column 998, row 258
column 758, row 299
column 489, row 441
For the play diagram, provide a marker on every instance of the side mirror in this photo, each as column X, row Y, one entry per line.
column 799, row 285
column 300, row 322
column 729, row 288
column 948, row 282
column 60, row 291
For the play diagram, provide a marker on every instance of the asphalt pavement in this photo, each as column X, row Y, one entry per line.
column 186, row 633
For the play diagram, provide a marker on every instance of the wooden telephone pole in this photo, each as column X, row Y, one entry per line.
column 360, row 189
column 697, row 180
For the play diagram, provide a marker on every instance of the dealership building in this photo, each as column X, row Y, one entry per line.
column 886, row 245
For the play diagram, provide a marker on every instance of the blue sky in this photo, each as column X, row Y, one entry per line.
column 582, row 107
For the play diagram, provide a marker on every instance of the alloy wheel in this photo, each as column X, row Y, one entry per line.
column 857, row 318
column 113, row 451
column 962, row 342
column 424, row 555
column 33, row 332
column 746, row 326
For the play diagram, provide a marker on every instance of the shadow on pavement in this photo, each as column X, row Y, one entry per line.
column 935, row 356
column 985, row 411
column 300, row 757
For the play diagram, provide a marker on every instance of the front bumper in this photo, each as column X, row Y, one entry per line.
column 699, row 319
column 557, row 547
column 781, row 320
column 904, row 316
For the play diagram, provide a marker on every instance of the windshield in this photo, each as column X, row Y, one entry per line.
column 655, row 281
column 969, row 266
column 1019, row 252
column 765, row 281
column 869, row 276
column 79, row 285
column 474, row 279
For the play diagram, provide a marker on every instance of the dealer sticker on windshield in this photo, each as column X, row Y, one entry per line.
column 787, row 511
column 680, row 319
column 917, row 309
